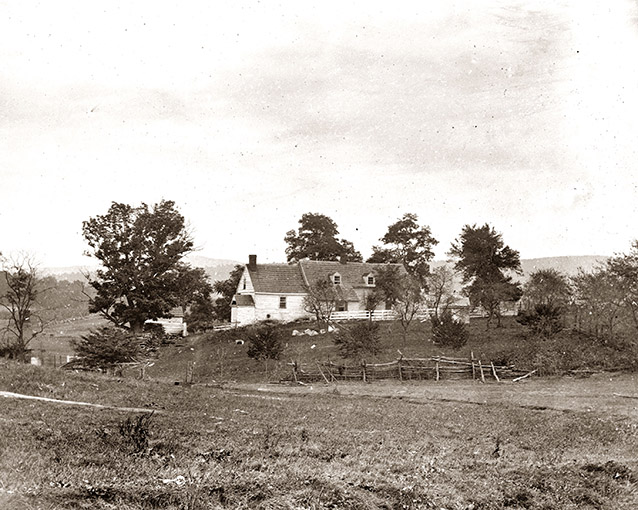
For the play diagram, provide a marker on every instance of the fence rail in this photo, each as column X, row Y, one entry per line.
column 375, row 315
column 436, row 368
column 225, row 327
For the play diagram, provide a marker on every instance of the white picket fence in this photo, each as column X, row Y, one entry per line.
column 376, row 315
column 225, row 327
column 423, row 315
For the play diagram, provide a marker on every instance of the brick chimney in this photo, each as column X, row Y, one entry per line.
column 252, row 262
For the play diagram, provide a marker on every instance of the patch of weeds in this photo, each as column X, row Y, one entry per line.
column 270, row 440
column 522, row 499
column 613, row 469
column 136, row 432
column 215, row 455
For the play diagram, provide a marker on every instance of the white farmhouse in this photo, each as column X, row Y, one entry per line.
column 277, row 291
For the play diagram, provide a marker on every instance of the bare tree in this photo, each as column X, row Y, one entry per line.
column 20, row 301
column 409, row 304
column 403, row 293
column 441, row 289
column 601, row 296
column 320, row 300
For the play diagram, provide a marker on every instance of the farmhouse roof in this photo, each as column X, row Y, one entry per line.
column 277, row 278
column 294, row 278
column 243, row 300
column 353, row 274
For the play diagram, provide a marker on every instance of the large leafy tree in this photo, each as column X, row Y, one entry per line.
column 316, row 239
column 226, row 290
column 408, row 243
column 484, row 260
column 141, row 250
column 192, row 286
column 547, row 287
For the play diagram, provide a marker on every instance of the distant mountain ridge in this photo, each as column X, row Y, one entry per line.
column 220, row 269
column 568, row 265
column 216, row 269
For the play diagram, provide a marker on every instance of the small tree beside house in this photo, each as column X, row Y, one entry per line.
column 357, row 339
column 265, row 343
column 403, row 293
column 320, row 300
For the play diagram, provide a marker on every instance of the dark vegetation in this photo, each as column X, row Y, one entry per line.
column 358, row 339
column 316, row 239
column 449, row 332
column 264, row 343
column 108, row 348
column 143, row 274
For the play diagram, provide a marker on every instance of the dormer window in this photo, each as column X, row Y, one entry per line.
column 370, row 280
column 336, row 279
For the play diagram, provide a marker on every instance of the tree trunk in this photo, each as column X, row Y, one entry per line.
column 137, row 327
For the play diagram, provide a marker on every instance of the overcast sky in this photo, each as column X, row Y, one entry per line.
column 249, row 114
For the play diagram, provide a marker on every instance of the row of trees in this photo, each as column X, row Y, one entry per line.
column 481, row 257
column 143, row 274
column 602, row 302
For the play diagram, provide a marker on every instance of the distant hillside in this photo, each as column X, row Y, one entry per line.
column 568, row 265
column 216, row 269
column 68, row 274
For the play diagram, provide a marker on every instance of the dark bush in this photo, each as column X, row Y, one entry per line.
column 108, row 346
column 545, row 320
column 264, row 342
column 12, row 351
column 354, row 340
column 449, row 332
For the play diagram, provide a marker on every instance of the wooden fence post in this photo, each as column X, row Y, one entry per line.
column 438, row 375
column 473, row 367
column 481, row 370
column 332, row 377
column 294, row 371
column 363, row 370
column 400, row 370
column 322, row 374
column 189, row 373
column 494, row 372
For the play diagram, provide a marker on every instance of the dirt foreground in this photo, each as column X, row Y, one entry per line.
column 607, row 393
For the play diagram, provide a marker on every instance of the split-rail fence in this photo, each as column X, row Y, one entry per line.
column 434, row 368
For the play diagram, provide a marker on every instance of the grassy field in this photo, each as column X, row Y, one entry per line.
column 216, row 357
column 549, row 443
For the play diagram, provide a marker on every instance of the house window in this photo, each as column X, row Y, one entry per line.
column 336, row 279
column 370, row 280
column 282, row 302
column 244, row 286
column 342, row 306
